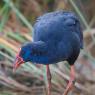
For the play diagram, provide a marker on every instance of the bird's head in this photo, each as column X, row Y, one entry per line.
column 22, row 56
column 29, row 52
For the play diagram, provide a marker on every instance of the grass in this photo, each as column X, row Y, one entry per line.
column 12, row 39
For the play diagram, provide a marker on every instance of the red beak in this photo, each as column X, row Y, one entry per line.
column 17, row 63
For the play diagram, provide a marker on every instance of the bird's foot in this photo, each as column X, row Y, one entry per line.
column 49, row 89
column 69, row 87
column 48, row 92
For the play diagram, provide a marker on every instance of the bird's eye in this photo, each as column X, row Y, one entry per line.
column 22, row 53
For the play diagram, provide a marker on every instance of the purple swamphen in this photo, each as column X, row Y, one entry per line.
column 57, row 36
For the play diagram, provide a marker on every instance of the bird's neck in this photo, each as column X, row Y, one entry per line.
column 39, row 50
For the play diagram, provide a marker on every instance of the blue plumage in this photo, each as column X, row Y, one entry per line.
column 57, row 37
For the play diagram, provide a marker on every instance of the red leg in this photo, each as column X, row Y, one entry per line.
column 71, row 81
column 49, row 79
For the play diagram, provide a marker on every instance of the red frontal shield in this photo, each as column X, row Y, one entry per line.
column 18, row 62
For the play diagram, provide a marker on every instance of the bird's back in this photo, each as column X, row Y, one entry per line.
column 52, row 26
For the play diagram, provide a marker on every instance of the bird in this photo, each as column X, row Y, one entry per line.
column 57, row 37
